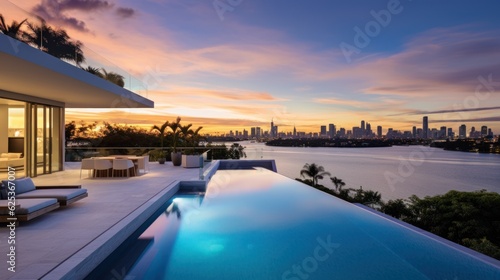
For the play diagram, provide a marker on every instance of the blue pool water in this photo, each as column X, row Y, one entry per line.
column 256, row 224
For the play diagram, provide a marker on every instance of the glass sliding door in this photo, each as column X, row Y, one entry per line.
column 45, row 142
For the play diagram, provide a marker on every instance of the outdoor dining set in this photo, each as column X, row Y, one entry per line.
column 115, row 166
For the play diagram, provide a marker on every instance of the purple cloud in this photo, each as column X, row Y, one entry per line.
column 125, row 12
column 418, row 112
column 55, row 11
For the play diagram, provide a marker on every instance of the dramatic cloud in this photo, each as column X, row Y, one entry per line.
column 418, row 112
column 125, row 12
column 57, row 11
column 440, row 61
column 488, row 119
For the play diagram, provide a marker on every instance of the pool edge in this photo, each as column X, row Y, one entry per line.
column 85, row 260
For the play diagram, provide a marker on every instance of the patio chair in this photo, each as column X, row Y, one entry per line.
column 102, row 165
column 27, row 209
column 87, row 164
column 25, row 189
column 143, row 163
column 123, row 165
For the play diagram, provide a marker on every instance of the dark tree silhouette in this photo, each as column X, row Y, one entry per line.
column 315, row 172
column 55, row 42
column 113, row 77
column 338, row 183
column 13, row 30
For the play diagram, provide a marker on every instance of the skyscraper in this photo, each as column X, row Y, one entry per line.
column 414, row 132
column 425, row 127
column 272, row 128
column 379, row 131
column 323, row 130
column 442, row 132
column 484, row 131
column 331, row 130
column 462, row 131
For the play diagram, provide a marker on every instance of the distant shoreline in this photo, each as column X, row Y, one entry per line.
column 468, row 146
column 334, row 143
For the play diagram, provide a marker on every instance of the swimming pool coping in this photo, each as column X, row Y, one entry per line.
column 79, row 265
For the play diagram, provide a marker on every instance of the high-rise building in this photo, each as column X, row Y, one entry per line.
column 294, row 131
column 357, row 132
column 258, row 132
column 342, row 132
column 442, row 132
column 450, row 133
column 425, row 127
column 490, row 132
column 368, row 131
column 414, row 132
column 379, row 131
column 462, row 131
column 484, row 131
column 252, row 132
column 331, row 130
column 472, row 133
column 389, row 133
column 322, row 131
column 273, row 132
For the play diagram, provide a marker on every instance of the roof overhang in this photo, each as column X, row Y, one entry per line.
column 28, row 71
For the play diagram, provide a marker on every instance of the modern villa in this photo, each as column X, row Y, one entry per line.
column 235, row 219
column 35, row 89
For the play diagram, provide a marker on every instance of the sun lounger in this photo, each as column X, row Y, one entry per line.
column 65, row 195
column 27, row 209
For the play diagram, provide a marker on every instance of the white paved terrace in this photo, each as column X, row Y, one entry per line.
column 55, row 238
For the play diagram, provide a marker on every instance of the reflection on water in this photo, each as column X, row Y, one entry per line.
column 431, row 171
column 261, row 225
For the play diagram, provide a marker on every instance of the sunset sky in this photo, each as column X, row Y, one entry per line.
column 233, row 64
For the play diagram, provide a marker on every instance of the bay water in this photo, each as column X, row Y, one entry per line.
column 395, row 172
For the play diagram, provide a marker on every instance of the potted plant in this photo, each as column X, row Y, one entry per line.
column 190, row 158
column 176, row 155
column 161, row 131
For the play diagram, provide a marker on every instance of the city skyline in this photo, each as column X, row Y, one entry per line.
column 365, row 131
column 241, row 65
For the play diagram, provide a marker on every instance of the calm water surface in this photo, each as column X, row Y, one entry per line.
column 396, row 172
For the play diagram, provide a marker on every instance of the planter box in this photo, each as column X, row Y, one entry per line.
column 189, row 161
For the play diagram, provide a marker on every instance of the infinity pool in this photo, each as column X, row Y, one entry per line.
column 256, row 224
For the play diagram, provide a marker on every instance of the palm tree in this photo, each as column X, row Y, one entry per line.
column 315, row 172
column 196, row 137
column 185, row 132
column 338, row 183
column 175, row 127
column 93, row 70
column 55, row 42
column 192, row 137
column 161, row 129
column 113, row 77
column 13, row 30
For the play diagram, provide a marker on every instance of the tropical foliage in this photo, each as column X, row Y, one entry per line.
column 13, row 30
column 55, row 42
column 313, row 171
column 471, row 219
